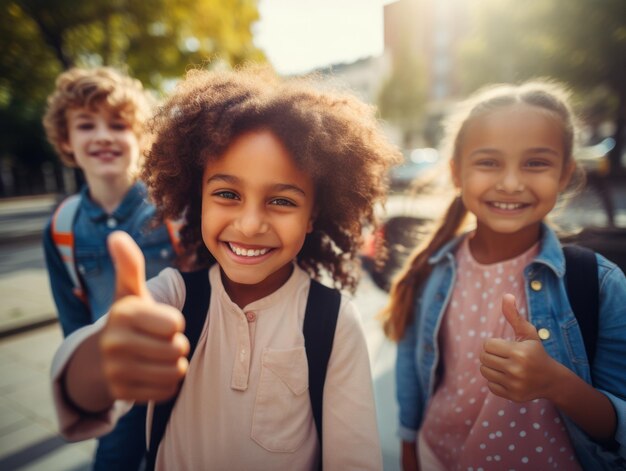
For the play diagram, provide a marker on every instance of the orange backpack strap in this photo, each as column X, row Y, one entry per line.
column 173, row 229
column 63, row 237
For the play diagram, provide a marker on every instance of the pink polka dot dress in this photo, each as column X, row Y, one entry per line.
column 466, row 426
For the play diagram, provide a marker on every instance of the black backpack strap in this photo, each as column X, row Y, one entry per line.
column 320, row 321
column 581, row 282
column 197, row 298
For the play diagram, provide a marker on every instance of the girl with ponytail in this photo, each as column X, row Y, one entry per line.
column 491, row 369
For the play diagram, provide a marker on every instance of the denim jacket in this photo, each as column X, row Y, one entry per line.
column 549, row 308
column 92, row 226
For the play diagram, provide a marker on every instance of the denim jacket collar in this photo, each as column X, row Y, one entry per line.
column 550, row 252
column 131, row 200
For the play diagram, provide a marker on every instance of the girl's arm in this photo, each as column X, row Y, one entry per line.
column 523, row 371
column 350, row 439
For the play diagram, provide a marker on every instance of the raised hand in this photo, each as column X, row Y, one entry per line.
column 142, row 346
column 519, row 370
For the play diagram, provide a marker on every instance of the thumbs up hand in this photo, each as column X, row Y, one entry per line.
column 519, row 370
column 142, row 346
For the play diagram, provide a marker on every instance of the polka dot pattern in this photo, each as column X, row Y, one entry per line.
column 466, row 426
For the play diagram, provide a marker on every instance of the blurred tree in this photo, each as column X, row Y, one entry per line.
column 402, row 98
column 155, row 41
column 582, row 43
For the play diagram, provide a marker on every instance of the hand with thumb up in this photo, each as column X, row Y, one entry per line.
column 142, row 347
column 519, row 370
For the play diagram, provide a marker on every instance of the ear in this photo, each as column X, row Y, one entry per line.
column 455, row 171
column 309, row 227
column 566, row 176
column 66, row 147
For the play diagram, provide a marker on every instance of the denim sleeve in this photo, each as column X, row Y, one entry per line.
column 609, row 366
column 72, row 312
column 407, row 387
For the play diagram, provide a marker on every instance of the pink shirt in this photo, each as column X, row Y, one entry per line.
column 466, row 426
column 245, row 401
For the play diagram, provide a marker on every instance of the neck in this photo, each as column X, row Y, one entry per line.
column 489, row 247
column 109, row 193
column 243, row 294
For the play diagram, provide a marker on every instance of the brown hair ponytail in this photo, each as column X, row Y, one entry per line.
column 399, row 310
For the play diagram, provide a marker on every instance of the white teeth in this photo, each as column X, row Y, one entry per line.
column 248, row 252
column 507, row 206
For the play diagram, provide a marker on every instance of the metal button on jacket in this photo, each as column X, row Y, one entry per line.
column 536, row 285
column 544, row 334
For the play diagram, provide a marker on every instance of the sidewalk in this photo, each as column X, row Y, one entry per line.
column 24, row 289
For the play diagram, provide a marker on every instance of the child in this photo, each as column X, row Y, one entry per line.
column 95, row 121
column 276, row 179
column 491, row 367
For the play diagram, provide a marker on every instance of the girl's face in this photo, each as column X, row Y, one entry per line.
column 257, row 208
column 511, row 168
column 104, row 145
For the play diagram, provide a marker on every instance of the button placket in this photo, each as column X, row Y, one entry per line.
column 241, row 366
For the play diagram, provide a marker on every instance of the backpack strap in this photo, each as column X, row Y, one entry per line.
column 320, row 321
column 581, row 282
column 173, row 230
column 62, row 229
column 195, row 310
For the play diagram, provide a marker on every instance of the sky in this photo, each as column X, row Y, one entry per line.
column 300, row 35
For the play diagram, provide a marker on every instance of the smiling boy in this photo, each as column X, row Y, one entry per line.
column 95, row 121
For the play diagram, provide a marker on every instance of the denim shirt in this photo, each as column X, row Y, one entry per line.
column 549, row 308
column 92, row 226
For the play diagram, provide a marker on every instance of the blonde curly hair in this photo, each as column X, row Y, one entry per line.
column 91, row 88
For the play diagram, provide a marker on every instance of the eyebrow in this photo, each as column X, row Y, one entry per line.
column 532, row 150
column 231, row 179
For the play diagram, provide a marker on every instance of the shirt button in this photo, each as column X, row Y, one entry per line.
column 111, row 223
column 536, row 285
column 164, row 253
column 544, row 334
column 251, row 316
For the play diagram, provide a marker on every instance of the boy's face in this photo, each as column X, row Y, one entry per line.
column 103, row 144
column 257, row 208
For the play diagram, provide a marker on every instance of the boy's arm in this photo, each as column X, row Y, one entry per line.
column 72, row 312
column 350, row 432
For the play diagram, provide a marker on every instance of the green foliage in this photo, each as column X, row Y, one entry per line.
column 582, row 43
column 155, row 41
column 402, row 97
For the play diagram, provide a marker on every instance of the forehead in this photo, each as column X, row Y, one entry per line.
column 97, row 110
column 259, row 157
column 515, row 126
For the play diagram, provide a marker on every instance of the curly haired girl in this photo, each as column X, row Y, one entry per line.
column 276, row 179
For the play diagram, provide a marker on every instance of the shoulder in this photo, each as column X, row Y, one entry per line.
column 168, row 287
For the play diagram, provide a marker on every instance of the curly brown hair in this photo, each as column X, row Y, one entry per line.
column 90, row 88
column 331, row 135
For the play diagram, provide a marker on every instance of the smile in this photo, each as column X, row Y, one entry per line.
column 247, row 252
column 507, row 206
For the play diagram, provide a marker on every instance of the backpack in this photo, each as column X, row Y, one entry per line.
column 583, row 291
column 62, row 229
column 320, row 321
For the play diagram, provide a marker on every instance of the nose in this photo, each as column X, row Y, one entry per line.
column 103, row 133
column 251, row 221
column 511, row 182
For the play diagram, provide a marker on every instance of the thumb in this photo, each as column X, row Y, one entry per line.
column 130, row 266
column 523, row 329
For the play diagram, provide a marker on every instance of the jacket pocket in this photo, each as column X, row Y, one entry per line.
column 282, row 410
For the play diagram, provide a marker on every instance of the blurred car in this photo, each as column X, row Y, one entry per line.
column 416, row 161
column 594, row 159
